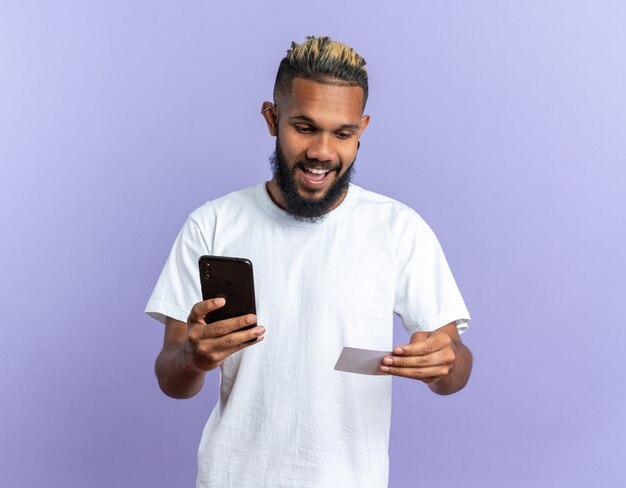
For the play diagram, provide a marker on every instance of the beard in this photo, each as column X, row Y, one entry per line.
column 302, row 208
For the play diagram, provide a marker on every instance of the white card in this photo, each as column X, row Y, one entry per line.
column 362, row 361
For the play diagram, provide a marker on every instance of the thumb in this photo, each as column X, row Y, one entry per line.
column 415, row 337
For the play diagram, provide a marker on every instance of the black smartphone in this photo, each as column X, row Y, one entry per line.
column 231, row 279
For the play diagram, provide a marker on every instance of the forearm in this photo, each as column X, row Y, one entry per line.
column 459, row 373
column 177, row 376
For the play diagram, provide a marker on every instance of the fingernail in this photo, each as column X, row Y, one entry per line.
column 219, row 301
column 260, row 329
column 398, row 350
column 384, row 368
column 251, row 319
column 387, row 360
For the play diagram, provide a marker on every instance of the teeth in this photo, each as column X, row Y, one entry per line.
column 318, row 171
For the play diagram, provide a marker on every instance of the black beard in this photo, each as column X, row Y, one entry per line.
column 304, row 209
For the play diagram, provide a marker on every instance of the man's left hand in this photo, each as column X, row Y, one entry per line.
column 429, row 356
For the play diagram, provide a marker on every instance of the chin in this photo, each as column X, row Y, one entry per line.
column 312, row 195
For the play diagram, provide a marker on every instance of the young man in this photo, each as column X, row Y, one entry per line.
column 333, row 262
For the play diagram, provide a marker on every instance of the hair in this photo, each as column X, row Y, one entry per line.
column 322, row 60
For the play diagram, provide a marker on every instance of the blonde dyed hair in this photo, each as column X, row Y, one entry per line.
column 323, row 60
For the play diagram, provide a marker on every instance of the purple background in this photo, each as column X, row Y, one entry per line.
column 503, row 123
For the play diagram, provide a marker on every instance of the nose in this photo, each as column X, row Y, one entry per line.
column 321, row 148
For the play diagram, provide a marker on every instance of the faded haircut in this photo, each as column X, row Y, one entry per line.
column 322, row 60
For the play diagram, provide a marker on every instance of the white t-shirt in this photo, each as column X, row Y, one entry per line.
column 285, row 416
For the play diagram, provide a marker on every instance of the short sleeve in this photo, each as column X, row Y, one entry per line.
column 427, row 296
column 178, row 286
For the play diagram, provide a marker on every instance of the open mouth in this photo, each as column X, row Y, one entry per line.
column 315, row 176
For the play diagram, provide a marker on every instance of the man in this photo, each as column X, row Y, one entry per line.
column 332, row 263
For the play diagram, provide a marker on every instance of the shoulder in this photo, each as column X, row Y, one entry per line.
column 382, row 207
column 240, row 201
column 396, row 225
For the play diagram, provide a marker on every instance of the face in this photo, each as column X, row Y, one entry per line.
column 318, row 127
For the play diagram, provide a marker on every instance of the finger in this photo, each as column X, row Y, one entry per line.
column 424, row 374
column 227, row 352
column 235, row 339
column 227, row 326
column 201, row 331
column 444, row 356
column 212, row 358
column 209, row 354
column 200, row 309
column 423, row 345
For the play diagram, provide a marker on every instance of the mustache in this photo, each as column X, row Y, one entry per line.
column 325, row 165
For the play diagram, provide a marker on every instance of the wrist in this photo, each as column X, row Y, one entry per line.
column 188, row 364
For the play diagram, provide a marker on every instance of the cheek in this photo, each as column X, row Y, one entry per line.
column 347, row 157
column 292, row 148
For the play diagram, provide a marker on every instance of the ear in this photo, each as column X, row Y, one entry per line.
column 268, row 110
column 365, row 120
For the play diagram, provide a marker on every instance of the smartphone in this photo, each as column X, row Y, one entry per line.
column 231, row 279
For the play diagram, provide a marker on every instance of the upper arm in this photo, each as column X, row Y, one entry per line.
column 426, row 294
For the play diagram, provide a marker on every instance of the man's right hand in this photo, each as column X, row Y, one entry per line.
column 209, row 344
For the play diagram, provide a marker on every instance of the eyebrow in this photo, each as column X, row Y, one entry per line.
column 308, row 119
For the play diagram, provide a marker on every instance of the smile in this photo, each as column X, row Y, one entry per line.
column 315, row 177
column 317, row 171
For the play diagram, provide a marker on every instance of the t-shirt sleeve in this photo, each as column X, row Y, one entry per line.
column 427, row 296
column 178, row 287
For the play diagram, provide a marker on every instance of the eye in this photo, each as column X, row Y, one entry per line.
column 303, row 129
column 344, row 135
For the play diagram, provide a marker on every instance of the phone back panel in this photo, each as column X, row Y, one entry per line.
column 231, row 279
